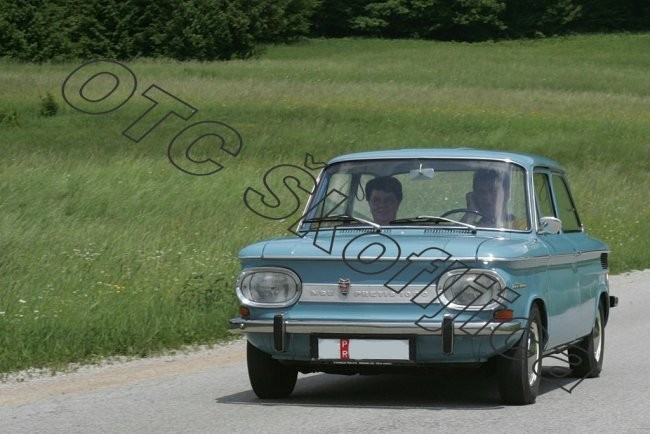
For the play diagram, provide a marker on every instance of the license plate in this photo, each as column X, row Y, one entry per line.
column 363, row 349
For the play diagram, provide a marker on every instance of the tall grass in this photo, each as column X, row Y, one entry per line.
column 106, row 248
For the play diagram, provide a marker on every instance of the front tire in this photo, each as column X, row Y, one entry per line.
column 269, row 378
column 586, row 357
column 519, row 369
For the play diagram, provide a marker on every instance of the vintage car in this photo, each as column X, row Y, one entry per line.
column 415, row 259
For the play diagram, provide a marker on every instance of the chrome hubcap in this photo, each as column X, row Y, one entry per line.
column 597, row 334
column 533, row 351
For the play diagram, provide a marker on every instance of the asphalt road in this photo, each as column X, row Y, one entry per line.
column 208, row 391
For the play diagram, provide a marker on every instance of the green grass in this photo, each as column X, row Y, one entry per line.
column 106, row 248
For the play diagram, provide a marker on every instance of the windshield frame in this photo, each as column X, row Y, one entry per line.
column 451, row 164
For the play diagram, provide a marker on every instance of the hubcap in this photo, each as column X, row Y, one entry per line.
column 533, row 349
column 597, row 334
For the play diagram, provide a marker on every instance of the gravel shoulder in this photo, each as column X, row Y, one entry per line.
column 27, row 386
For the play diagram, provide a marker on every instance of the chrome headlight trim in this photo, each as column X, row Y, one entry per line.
column 246, row 296
column 479, row 287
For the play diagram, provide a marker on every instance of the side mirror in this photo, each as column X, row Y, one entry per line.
column 550, row 225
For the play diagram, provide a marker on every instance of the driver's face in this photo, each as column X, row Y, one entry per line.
column 383, row 206
column 484, row 198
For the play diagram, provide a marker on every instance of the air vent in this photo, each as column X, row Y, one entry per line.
column 340, row 230
column 446, row 231
column 603, row 261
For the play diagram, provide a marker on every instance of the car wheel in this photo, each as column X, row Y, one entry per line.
column 519, row 369
column 269, row 378
column 586, row 358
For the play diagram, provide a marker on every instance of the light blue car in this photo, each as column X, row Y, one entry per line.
column 416, row 259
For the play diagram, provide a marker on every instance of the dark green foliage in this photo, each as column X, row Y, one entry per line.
column 211, row 29
column 433, row 19
column 31, row 31
column 40, row 30
column 537, row 18
column 474, row 20
column 182, row 29
column 333, row 18
column 612, row 15
column 49, row 106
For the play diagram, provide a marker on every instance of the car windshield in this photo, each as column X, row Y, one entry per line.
column 408, row 192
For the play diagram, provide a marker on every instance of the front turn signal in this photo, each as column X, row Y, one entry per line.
column 503, row 314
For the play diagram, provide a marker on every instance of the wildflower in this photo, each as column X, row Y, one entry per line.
column 21, row 301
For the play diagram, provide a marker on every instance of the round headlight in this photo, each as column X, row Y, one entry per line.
column 470, row 289
column 268, row 287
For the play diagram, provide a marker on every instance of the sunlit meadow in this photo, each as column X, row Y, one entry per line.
column 107, row 249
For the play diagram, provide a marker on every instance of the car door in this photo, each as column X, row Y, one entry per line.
column 586, row 262
column 563, row 296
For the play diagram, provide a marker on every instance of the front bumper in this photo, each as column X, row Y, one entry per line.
column 428, row 328
column 280, row 329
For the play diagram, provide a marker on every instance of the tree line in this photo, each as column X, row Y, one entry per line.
column 42, row 30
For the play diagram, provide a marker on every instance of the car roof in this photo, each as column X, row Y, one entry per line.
column 526, row 160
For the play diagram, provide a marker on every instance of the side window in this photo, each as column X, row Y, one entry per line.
column 566, row 209
column 543, row 195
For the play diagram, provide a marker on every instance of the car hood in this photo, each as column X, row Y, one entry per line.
column 392, row 245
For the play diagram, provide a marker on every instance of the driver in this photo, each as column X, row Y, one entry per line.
column 384, row 195
column 489, row 198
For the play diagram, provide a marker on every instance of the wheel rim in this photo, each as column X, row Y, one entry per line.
column 597, row 334
column 533, row 350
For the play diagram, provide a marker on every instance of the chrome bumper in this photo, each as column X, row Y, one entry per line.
column 241, row 326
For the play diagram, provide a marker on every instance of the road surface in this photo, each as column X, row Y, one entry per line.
column 208, row 391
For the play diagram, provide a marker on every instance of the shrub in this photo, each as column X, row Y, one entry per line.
column 49, row 106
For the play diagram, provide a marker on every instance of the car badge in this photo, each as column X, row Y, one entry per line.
column 344, row 286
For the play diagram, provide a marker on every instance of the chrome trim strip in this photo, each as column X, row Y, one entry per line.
column 358, row 293
column 241, row 326
column 552, row 260
column 333, row 257
column 528, row 261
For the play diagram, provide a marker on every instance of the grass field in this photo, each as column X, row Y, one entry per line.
column 106, row 248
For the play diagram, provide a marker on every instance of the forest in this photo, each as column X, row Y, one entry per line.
column 59, row 30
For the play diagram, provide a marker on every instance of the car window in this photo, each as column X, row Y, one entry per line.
column 543, row 197
column 566, row 209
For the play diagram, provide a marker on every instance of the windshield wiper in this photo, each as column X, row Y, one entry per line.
column 428, row 219
column 342, row 218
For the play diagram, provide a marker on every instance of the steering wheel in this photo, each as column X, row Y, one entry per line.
column 465, row 210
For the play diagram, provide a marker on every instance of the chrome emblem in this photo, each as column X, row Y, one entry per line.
column 344, row 286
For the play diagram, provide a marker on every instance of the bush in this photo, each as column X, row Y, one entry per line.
column 49, row 106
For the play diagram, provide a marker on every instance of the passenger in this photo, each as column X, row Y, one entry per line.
column 384, row 195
